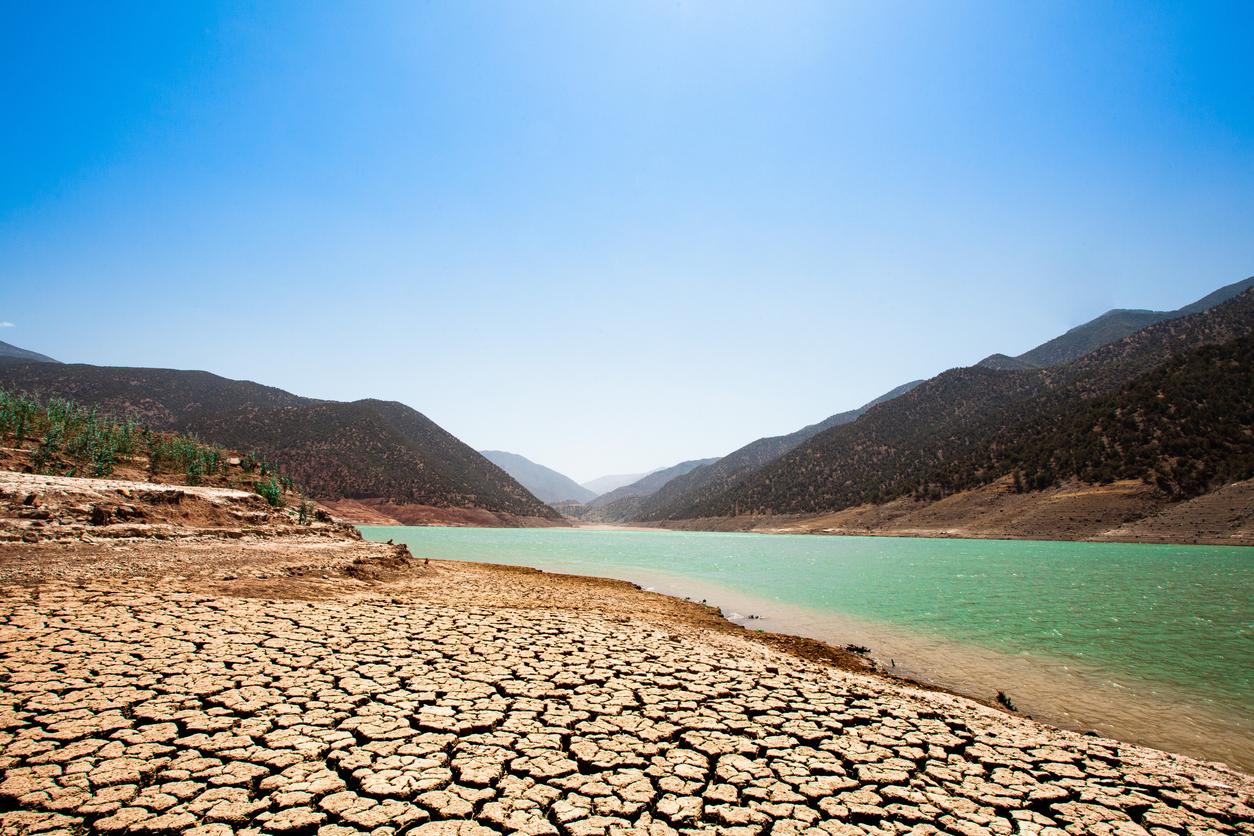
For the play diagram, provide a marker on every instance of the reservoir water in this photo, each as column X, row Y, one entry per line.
column 1149, row 644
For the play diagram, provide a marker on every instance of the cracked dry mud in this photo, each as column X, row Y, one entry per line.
column 336, row 688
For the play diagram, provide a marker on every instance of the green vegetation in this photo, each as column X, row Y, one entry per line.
column 271, row 491
column 363, row 449
column 76, row 440
column 68, row 435
column 187, row 454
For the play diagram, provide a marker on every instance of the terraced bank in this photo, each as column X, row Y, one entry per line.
column 338, row 688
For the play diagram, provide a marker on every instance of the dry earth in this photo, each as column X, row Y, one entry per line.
column 375, row 511
column 283, row 683
column 1127, row 512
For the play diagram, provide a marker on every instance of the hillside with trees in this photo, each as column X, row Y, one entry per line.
column 366, row 449
column 711, row 479
column 888, row 451
column 1109, row 327
column 1185, row 426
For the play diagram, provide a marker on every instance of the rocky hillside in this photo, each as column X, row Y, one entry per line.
column 888, row 451
column 364, row 450
column 719, row 475
column 650, row 484
column 1184, row 427
column 1107, row 328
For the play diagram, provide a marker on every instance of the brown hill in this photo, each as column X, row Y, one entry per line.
column 887, row 451
column 719, row 475
column 364, row 450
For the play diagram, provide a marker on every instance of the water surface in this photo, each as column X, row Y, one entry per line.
column 1148, row 643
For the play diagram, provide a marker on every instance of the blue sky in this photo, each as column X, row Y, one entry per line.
column 611, row 236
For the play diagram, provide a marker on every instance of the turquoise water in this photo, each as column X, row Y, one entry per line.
column 1146, row 642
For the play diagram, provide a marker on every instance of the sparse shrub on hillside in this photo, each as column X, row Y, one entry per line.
column 76, row 440
column 71, row 437
column 271, row 492
column 1185, row 427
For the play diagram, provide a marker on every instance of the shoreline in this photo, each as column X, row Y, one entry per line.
column 309, row 682
column 1122, row 512
column 1067, row 692
column 214, row 669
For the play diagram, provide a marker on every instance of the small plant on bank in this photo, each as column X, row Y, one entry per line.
column 1004, row 700
column 271, row 492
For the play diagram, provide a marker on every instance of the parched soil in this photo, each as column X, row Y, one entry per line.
column 1127, row 512
column 375, row 511
column 63, row 509
column 290, row 684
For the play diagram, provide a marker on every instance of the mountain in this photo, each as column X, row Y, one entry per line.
column 704, row 482
column 1109, row 327
column 1180, row 426
column 601, row 484
column 160, row 398
column 545, row 483
column 7, row 350
column 369, row 449
column 650, row 484
column 889, row 450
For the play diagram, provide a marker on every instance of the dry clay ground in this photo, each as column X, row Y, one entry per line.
column 324, row 685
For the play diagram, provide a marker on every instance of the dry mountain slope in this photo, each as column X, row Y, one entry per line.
column 716, row 477
column 363, row 450
column 1107, row 328
column 160, row 398
column 1184, row 427
column 887, row 451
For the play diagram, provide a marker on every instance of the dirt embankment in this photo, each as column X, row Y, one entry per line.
column 64, row 510
column 1126, row 512
column 377, row 511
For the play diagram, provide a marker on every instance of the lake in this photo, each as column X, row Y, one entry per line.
column 1150, row 644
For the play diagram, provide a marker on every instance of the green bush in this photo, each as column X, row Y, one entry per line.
column 271, row 492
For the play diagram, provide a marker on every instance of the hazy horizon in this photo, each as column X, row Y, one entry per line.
column 612, row 237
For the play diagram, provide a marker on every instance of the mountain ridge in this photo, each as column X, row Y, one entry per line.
column 364, row 449
column 651, row 483
column 886, row 451
column 1109, row 327
column 10, row 350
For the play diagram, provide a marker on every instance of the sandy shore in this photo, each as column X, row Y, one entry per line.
column 320, row 685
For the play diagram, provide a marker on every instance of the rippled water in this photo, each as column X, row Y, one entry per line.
column 1147, row 643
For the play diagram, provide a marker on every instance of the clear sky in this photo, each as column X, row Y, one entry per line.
column 611, row 236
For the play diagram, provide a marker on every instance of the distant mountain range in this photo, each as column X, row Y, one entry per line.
column 545, row 483
column 13, row 351
column 719, row 474
column 1166, row 398
column 365, row 450
column 604, row 484
column 651, row 483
